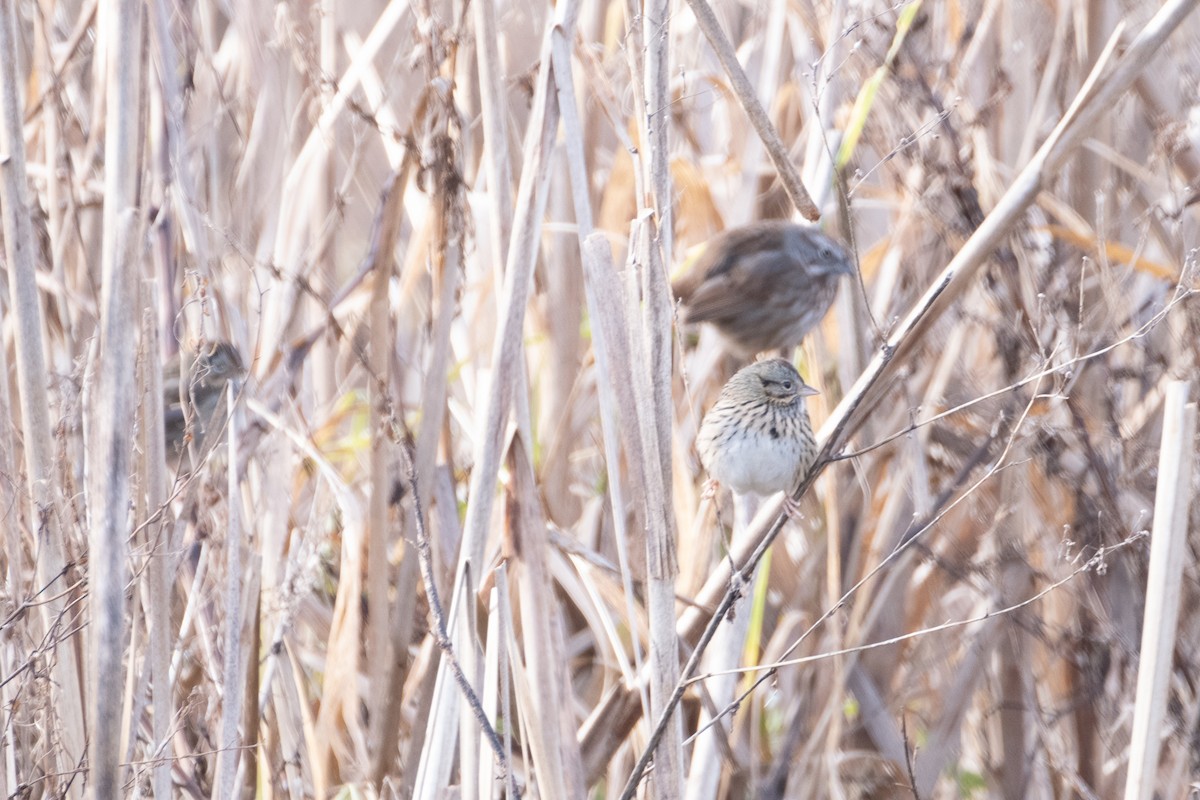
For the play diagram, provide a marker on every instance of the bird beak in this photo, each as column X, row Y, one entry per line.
column 807, row 391
column 837, row 267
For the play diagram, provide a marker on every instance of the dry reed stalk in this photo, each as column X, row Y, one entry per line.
column 14, row 574
column 234, row 653
column 1168, row 542
column 384, row 662
column 493, row 664
column 247, row 780
column 495, row 139
column 407, row 579
column 610, row 342
column 471, row 737
column 109, row 489
column 158, row 552
column 443, row 747
column 707, row 762
column 1015, row 581
column 661, row 563
column 652, row 352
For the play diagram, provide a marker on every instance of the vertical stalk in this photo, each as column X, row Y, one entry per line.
column 108, row 457
column 235, row 574
column 656, row 408
column 1164, row 583
column 154, row 446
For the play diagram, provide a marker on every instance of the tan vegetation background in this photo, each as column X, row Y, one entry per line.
column 352, row 192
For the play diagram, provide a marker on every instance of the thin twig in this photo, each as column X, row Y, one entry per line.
column 908, row 758
column 1181, row 294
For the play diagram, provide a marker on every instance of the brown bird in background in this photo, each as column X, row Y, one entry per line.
column 764, row 285
column 210, row 371
column 757, row 437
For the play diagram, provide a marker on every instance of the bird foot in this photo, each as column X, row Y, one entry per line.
column 791, row 507
column 710, row 490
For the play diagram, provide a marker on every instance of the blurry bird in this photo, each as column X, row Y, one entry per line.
column 757, row 436
column 764, row 285
column 209, row 373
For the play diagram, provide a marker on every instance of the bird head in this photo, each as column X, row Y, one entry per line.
column 780, row 381
column 830, row 258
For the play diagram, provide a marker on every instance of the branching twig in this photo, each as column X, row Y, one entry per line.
column 1093, row 564
column 1181, row 295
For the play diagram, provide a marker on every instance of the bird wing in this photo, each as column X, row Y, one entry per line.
column 723, row 253
column 742, row 284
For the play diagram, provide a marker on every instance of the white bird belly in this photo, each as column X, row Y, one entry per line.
column 757, row 463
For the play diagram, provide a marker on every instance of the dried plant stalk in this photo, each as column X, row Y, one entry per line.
column 1163, row 588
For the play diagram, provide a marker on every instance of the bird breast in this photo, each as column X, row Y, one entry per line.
column 764, row 454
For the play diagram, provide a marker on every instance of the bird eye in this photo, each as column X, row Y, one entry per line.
column 827, row 253
column 787, row 385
